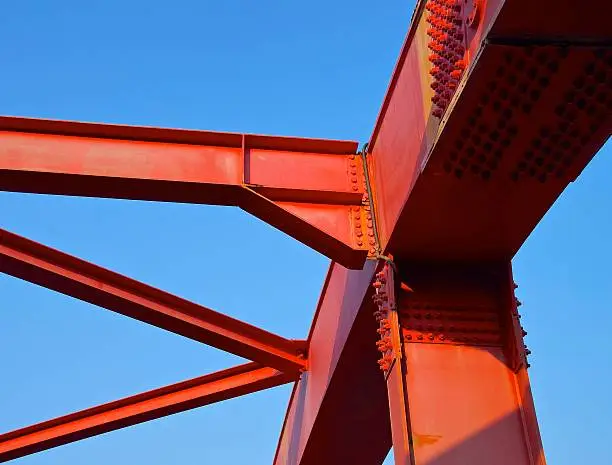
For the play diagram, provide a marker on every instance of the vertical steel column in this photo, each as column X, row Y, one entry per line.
column 455, row 365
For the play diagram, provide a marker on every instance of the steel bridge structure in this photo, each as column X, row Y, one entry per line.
column 494, row 107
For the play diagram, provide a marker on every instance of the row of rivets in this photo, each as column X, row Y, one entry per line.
column 362, row 215
column 442, row 323
column 517, row 315
column 447, row 50
column 384, row 304
column 451, row 339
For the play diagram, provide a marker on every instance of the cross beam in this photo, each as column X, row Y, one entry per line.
column 158, row 403
column 47, row 267
column 493, row 109
column 312, row 189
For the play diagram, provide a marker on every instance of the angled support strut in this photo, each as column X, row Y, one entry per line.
column 38, row 264
column 158, row 403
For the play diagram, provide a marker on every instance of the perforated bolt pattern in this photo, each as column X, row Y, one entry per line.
column 586, row 106
column 521, row 82
column 438, row 324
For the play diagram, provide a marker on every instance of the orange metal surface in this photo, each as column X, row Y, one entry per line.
column 187, row 395
column 475, row 418
column 72, row 276
column 307, row 188
column 489, row 149
column 426, row 210
column 338, row 411
column 493, row 109
column 466, row 395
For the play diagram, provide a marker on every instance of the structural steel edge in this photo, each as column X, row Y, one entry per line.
column 493, row 109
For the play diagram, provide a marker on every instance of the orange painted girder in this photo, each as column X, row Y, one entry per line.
column 307, row 188
column 187, row 395
column 338, row 411
column 38, row 264
column 458, row 387
column 526, row 115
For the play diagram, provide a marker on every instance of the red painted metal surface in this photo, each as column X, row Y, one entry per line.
column 72, row 276
column 168, row 400
column 493, row 109
column 338, row 411
column 490, row 149
column 307, row 188
column 462, row 373
column 426, row 211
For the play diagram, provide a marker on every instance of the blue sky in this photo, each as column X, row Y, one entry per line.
column 315, row 69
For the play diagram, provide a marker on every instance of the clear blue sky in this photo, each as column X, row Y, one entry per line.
column 315, row 68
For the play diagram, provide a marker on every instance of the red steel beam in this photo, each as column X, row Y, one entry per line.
column 425, row 211
column 307, row 188
column 158, row 403
column 529, row 112
column 38, row 264
column 338, row 411
column 456, row 366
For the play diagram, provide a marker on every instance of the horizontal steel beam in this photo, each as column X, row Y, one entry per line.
column 47, row 267
column 307, row 188
column 158, row 403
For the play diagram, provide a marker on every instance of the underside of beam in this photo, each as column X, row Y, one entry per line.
column 338, row 411
column 497, row 132
column 38, row 264
column 307, row 188
column 187, row 395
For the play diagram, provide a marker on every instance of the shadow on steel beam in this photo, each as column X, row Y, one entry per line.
column 487, row 446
